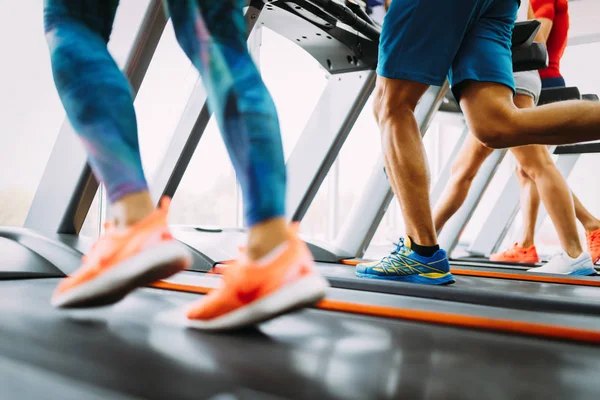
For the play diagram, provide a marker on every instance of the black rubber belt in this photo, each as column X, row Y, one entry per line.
column 472, row 296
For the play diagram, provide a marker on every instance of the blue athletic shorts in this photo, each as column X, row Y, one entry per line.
column 426, row 40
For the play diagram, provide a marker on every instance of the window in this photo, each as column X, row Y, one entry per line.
column 31, row 111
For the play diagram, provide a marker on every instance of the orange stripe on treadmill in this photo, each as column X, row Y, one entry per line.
column 179, row 287
column 526, row 328
column 508, row 275
column 433, row 317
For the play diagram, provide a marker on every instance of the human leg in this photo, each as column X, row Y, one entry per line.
column 495, row 120
column 553, row 191
column 408, row 63
column 524, row 251
column 530, row 204
column 137, row 248
column 587, row 219
column 213, row 36
column 97, row 99
column 470, row 158
column 537, row 164
column 404, row 154
column 276, row 273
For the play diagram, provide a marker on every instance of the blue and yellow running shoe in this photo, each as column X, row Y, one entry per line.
column 404, row 265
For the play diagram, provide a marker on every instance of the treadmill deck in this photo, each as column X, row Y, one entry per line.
column 124, row 352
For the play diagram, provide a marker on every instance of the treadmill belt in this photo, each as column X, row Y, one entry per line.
column 311, row 354
column 491, row 291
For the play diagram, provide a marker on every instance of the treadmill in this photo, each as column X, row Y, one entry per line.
column 355, row 344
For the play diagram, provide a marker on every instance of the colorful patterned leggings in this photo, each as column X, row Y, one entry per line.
column 98, row 101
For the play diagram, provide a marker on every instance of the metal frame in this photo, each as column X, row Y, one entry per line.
column 319, row 145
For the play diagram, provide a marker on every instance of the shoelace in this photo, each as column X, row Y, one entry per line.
column 399, row 246
column 387, row 260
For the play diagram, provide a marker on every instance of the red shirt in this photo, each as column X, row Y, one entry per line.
column 556, row 11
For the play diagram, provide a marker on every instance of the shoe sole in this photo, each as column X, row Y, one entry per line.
column 152, row 265
column 443, row 280
column 582, row 272
column 302, row 293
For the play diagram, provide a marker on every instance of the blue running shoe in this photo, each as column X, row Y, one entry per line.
column 404, row 265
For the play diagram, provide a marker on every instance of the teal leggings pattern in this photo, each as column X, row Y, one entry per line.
column 99, row 103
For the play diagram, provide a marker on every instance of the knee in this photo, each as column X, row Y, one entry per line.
column 497, row 130
column 462, row 174
column 534, row 167
column 394, row 100
column 521, row 174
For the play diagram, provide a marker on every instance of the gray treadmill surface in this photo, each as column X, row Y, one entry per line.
column 491, row 291
column 122, row 352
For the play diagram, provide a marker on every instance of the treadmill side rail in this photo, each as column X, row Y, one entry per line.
column 323, row 137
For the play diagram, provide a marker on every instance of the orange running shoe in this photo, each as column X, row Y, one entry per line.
column 517, row 254
column 253, row 292
column 593, row 242
column 123, row 260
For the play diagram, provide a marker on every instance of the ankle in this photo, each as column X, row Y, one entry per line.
column 423, row 251
column 266, row 236
column 527, row 243
column 423, row 239
column 592, row 225
column 131, row 209
column 574, row 250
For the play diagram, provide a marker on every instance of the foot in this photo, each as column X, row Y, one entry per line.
column 123, row 260
column 517, row 254
column 256, row 291
column 404, row 265
column 562, row 264
column 593, row 242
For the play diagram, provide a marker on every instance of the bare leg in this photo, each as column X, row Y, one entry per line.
column 554, row 192
column 498, row 123
column 405, row 159
column 472, row 154
column 530, row 198
column 589, row 222
column 530, row 204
